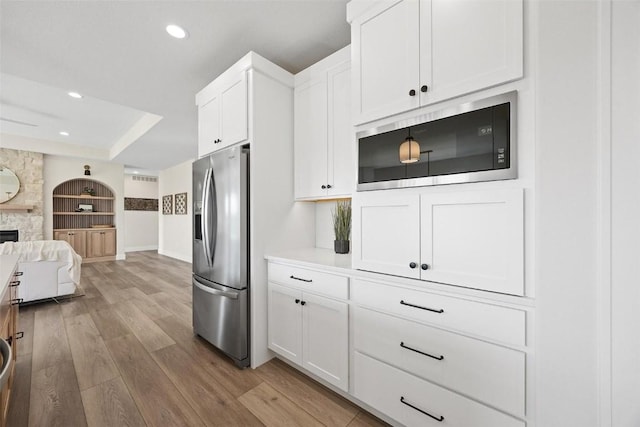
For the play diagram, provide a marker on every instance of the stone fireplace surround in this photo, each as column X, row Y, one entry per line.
column 28, row 166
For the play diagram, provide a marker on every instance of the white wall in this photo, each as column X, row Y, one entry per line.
column 141, row 226
column 59, row 169
column 175, row 235
column 625, row 213
column 566, row 226
column 324, row 224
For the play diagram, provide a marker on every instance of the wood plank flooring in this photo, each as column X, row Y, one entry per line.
column 125, row 355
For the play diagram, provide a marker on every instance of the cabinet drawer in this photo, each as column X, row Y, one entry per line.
column 409, row 399
column 487, row 372
column 310, row 280
column 498, row 323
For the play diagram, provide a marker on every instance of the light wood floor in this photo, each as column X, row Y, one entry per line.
column 125, row 355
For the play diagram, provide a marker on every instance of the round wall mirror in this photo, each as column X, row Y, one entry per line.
column 9, row 184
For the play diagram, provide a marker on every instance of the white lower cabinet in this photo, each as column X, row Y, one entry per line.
column 416, row 402
column 484, row 371
column 285, row 322
column 416, row 356
column 309, row 329
column 325, row 338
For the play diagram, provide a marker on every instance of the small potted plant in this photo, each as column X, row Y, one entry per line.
column 342, row 226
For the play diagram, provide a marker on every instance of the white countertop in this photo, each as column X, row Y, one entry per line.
column 7, row 266
column 328, row 260
column 315, row 257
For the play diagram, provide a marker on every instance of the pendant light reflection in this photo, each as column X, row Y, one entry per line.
column 409, row 150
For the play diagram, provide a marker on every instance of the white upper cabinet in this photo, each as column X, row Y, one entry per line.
column 470, row 239
column 323, row 136
column 385, row 60
column 234, row 111
column 310, row 130
column 208, row 126
column 223, row 116
column 411, row 53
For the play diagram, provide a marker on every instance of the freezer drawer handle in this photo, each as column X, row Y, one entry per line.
column 14, row 283
column 441, row 357
column 302, row 280
column 421, row 307
column 439, row 419
column 232, row 295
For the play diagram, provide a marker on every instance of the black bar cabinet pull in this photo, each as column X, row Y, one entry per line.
column 302, row 280
column 16, row 301
column 14, row 283
column 18, row 273
column 19, row 335
column 439, row 419
column 421, row 307
column 441, row 357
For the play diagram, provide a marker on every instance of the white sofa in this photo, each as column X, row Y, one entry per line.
column 50, row 268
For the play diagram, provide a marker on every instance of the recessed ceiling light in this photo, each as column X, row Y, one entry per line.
column 176, row 31
column 136, row 172
column 63, row 133
column 74, row 95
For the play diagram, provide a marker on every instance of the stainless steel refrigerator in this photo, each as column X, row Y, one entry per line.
column 220, row 251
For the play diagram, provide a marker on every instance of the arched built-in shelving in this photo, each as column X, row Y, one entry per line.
column 91, row 231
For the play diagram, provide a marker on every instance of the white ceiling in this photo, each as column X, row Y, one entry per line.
column 133, row 74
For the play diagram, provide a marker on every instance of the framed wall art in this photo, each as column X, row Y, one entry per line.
column 167, row 204
column 181, row 203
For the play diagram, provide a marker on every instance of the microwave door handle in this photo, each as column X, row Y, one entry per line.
column 213, row 291
column 204, row 218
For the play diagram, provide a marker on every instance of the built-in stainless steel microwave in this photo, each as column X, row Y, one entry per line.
column 468, row 143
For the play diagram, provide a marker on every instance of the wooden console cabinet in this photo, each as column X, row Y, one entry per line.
column 9, row 281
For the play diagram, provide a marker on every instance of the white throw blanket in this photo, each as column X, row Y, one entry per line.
column 46, row 250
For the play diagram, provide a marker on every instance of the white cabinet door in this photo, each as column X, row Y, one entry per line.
column 285, row 322
column 468, row 45
column 208, row 126
column 234, row 112
column 386, row 60
column 474, row 239
column 386, row 233
column 325, row 339
column 310, row 134
column 340, row 138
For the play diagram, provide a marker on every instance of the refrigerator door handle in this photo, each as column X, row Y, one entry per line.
column 212, row 291
column 206, row 237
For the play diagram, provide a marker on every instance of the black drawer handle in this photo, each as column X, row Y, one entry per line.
column 19, row 335
column 14, row 283
column 441, row 357
column 302, row 280
column 18, row 273
column 421, row 307
column 16, row 301
column 439, row 419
